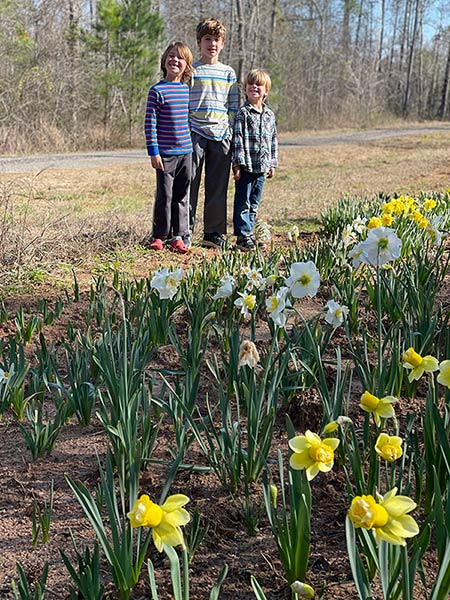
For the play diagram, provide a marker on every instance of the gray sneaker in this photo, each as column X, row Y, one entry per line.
column 245, row 243
column 214, row 240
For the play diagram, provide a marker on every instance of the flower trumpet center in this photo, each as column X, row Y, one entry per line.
column 365, row 512
column 391, row 452
column 305, row 279
column 412, row 357
column 322, row 454
column 383, row 243
column 152, row 514
column 370, row 401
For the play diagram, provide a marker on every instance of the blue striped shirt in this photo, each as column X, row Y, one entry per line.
column 167, row 119
column 213, row 100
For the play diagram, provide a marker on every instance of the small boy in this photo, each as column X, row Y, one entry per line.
column 213, row 105
column 255, row 155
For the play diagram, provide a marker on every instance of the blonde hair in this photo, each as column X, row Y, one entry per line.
column 258, row 77
column 185, row 52
column 210, row 26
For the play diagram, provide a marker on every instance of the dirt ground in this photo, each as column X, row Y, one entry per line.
column 76, row 453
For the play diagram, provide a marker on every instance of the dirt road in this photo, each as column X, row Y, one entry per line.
column 82, row 160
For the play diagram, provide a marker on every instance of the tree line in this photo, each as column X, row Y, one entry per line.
column 75, row 73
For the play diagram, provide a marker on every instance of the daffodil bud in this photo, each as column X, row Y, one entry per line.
column 273, row 495
column 303, row 590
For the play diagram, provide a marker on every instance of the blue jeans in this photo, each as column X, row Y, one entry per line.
column 247, row 197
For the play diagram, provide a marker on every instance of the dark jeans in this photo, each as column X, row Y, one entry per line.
column 216, row 157
column 171, row 210
column 247, row 197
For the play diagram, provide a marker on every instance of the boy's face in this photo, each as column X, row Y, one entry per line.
column 210, row 48
column 255, row 93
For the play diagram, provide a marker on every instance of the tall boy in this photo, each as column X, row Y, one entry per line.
column 213, row 105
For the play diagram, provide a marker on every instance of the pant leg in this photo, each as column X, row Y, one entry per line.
column 198, row 158
column 255, row 197
column 162, row 208
column 241, row 213
column 217, row 174
column 180, row 196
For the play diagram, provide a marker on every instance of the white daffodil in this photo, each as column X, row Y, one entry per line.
column 349, row 237
column 279, row 307
column 4, row 375
column 336, row 313
column 255, row 280
column 167, row 282
column 304, row 279
column 225, row 290
column 262, row 231
column 433, row 231
column 381, row 246
column 293, row 234
column 246, row 303
column 357, row 254
column 359, row 225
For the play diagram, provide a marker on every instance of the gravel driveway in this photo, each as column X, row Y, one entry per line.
column 82, row 160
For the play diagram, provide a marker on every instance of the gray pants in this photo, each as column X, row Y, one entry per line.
column 216, row 157
column 171, row 210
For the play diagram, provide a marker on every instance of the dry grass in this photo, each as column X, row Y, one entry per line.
column 64, row 218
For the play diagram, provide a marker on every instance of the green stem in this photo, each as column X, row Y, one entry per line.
column 380, row 333
column 185, row 574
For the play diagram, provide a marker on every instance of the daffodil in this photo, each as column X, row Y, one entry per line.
column 389, row 447
column 335, row 313
column 429, row 204
column 444, row 373
column 356, row 255
column 388, row 517
column 381, row 246
column 293, row 234
column 379, row 407
column 304, row 279
column 386, row 220
column 349, row 236
column 278, row 306
column 167, row 282
column 418, row 364
column 4, row 375
column 312, row 453
column 226, row 287
column 374, row 222
column 333, row 425
column 254, row 280
column 246, row 303
column 165, row 520
column 248, row 354
column 303, row 590
column 359, row 225
column 433, row 231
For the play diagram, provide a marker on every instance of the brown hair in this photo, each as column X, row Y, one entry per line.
column 185, row 52
column 212, row 27
column 259, row 77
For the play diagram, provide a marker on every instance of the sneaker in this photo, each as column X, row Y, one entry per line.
column 157, row 244
column 245, row 243
column 179, row 246
column 214, row 240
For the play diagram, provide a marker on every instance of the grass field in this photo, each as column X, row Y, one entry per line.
column 90, row 219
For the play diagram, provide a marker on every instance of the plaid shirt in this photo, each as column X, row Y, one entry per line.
column 255, row 145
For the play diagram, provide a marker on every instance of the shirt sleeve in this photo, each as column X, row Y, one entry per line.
column 274, row 145
column 151, row 119
column 238, row 152
column 233, row 99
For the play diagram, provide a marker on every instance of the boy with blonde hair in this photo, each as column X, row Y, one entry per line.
column 255, row 155
column 213, row 106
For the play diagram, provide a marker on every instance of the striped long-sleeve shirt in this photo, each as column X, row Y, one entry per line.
column 255, row 144
column 167, row 119
column 213, row 100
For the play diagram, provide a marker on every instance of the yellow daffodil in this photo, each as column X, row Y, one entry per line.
column 387, row 518
column 333, row 425
column 303, row 590
column 312, row 453
column 418, row 364
column 389, row 447
column 444, row 373
column 388, row 207
column 379, row 407
column 386, row 220
column 374, row 222
column 165, row 520
column 423, row 223
column 429, row 204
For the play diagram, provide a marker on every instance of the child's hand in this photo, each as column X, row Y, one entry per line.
column 157, row 163
column 236, row 172
column 270, row 173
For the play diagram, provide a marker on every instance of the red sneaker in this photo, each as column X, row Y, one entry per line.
column 157, row 244
column 179, row 246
